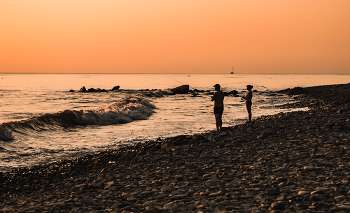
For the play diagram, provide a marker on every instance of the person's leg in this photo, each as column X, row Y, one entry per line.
column 220, row 121
column 217, row 119
column 249, row 109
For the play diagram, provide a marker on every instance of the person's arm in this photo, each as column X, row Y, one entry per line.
column 213, row 98
column 247, row 96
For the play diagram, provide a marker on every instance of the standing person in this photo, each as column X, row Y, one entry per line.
column 218, row 99
column 248, row 101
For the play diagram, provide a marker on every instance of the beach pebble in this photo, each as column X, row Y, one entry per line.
column 302, row 193
column 273, row 191
column 277, row 206
column 148, row 203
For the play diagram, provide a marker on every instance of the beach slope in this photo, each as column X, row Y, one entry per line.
column 285, row 162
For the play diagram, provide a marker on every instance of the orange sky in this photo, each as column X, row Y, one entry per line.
column 174, row 36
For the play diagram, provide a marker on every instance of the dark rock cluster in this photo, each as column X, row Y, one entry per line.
column 291, row 162
column 183, row 89
column 83, row 89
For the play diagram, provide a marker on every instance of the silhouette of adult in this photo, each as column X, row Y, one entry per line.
column 218, row 99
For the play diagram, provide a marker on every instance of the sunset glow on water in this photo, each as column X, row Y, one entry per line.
column 43, row 121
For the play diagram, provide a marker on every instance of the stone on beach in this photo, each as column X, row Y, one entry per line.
column 294, row 91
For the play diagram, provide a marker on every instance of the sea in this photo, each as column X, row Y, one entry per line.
column 44, row 118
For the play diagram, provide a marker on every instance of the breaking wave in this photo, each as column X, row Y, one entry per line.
column 125, row 111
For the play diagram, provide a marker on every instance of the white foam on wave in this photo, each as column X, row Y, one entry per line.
column 125, row 111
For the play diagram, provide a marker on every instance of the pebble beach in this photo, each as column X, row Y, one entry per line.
column 288, row 162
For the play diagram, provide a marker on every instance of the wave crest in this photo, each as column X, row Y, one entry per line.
column 125, row 111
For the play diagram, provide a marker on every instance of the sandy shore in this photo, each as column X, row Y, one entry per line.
column 293, row 162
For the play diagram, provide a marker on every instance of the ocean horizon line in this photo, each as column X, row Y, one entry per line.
column 184, row 73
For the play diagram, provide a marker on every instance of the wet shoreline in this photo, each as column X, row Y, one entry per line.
column 292, row 161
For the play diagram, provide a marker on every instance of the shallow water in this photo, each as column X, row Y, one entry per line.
column 32, row 107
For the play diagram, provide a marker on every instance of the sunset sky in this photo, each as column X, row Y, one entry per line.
column 174, row 36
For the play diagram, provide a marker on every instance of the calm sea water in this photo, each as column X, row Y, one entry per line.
column 42, row 121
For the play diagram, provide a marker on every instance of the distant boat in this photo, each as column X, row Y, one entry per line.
column 232, row 71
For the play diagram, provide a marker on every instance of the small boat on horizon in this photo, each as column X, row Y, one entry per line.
column 232, row 71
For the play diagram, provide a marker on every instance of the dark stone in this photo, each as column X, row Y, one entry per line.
column 281, row 179
column 273, row 191
column 315, row 198
column 233, row 92
column 277, row 206
column 294, row 91
column 178, row 177
column 197, row 137
column 152, row 210
column 184, row 89
column 115, row 88
column 83, row 89
column 179, row 140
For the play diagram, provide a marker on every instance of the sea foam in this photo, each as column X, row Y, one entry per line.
column 124, row 111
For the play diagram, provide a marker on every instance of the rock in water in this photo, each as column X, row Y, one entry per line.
column 184, row 89
column 83, row 89
column 233, row 92
column 115, row 88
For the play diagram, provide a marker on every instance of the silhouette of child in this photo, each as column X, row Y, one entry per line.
column 248, row 101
